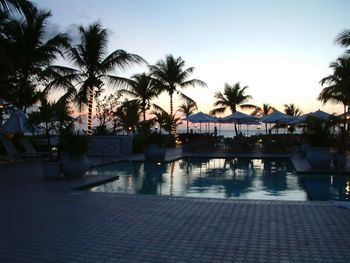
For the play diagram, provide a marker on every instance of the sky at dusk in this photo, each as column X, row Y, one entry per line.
column 280, row 49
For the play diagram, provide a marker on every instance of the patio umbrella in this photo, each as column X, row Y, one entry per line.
column 318, row 114
column 277, row 117
column 201, row 117
column 17, row 123
column 240, row 118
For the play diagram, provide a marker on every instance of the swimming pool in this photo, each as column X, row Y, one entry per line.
column 237, row 178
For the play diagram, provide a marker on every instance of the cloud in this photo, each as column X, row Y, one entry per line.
column 52, row 29
column 72, row 31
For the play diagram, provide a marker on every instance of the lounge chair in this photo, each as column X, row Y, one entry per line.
column 12, row 152
column 29, row 148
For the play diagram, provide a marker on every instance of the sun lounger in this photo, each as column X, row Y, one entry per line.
column 29, row 148
column 12, row 152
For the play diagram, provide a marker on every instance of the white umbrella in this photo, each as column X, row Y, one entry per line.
column 17, row 123
column 321, row 114
column 318, row 114
column 240, row 118
column 277, row 117
column 201, row 117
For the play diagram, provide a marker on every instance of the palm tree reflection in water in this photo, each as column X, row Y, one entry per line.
column 240, row 178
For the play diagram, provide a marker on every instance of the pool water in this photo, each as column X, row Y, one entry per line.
column 237, row 178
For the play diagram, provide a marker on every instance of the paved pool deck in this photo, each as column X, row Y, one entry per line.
column 46, row 221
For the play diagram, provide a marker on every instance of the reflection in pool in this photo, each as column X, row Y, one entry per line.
column 237, row 178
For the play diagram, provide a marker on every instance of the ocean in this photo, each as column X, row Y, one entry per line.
column 227, row 133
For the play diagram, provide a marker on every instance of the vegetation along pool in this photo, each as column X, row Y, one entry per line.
column 238, row 178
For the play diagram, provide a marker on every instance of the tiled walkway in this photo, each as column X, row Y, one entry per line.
column 44, row 221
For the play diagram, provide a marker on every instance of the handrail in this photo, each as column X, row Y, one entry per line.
column 113, row 150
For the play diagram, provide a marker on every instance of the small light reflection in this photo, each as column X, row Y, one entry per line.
column 129, row 181
column 158, row 163
column 347, row 188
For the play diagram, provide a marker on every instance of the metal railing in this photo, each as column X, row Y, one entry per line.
column 106, row 146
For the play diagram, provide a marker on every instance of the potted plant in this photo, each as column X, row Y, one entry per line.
column 154, row 146
column 317, row 133
column 74, row 160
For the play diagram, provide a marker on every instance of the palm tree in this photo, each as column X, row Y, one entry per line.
column 15, row 5
column 188, row 108
column 265, row 110
column 292, row 110
column 165, row 120
column 93, row 67
column 343, row 38
column 143, row 88
column 234, row 96
column 54, row 116
column 338, row 84
column 128, row 115
column 171, row 75
column 29, row 53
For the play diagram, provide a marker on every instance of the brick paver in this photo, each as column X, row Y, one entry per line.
column 41, row 222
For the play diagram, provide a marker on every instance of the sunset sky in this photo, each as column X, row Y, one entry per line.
column 280, row 49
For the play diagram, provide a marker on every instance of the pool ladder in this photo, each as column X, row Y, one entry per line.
column 104, row 146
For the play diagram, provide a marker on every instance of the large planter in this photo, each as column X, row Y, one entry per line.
column 339, row 160
column 51, row 169
column 74, row 167
column 154, row 152
column 319, row 157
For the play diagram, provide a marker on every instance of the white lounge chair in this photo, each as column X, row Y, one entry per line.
column 29, row 148
column 12, row 152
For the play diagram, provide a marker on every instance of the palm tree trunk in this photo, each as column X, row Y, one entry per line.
column 266, row 128
column 236, row 129
column 187, row 124
column 144, row 110
column 90, row 104
column 344, row 117
column 173, row 127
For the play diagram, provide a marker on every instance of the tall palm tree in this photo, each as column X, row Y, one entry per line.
column 143, row 88
column 94, row 66
column 338, row 84
column 188, row 108
column 234, row 96
column 171, row 75
column 265, row 110
column 29, row 54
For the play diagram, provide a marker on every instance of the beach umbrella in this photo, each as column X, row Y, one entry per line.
column 17, row 123
column 201, row 117
column 318, row 114
column 321, row 114
column 277, row 117
column 240, row 118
